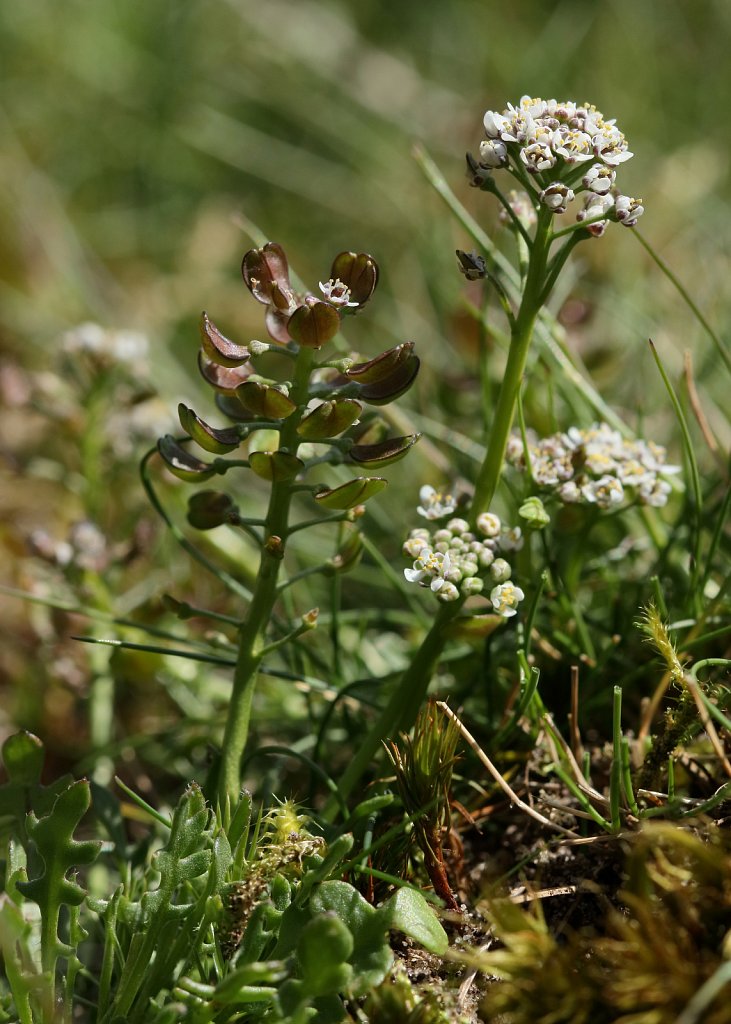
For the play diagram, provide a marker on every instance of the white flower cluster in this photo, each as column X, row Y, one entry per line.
column 453, row 561
column 569, row 148
column 596, row 467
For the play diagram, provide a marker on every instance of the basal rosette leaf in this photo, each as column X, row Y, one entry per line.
column 53, row 839
column 23, row 756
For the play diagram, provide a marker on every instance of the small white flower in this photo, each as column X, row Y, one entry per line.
column 599, row 179
column 448, row 593
column 537, row 157
column 655, row 494
column 434, row 504
column 495, row 124
column 628, row 210
column 488, row 524
column 429, row 565
column 505, row 599
column 596, row 205
column 458, row 526
column 569, row 493
column 610, row 146
column 414, row 544
column 574, row 146
column 606, row 492
column 511, row 539
column 336, row 293
column 493, row 153
column 557, row 197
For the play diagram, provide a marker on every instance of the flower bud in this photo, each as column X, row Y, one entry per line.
column 488, row 524
column 557, row 197
column 493, row 153
column 500, row 570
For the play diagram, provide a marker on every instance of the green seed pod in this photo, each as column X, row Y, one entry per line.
column 351, row 494
column 275, row 466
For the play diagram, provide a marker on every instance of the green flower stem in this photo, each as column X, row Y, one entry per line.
column 520, row 339
column 400, row 712
column 252, row 643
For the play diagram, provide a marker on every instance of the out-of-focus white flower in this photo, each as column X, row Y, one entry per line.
column 505, row 598
column 557, row 197
column 654, row 492
column 435, row 504
column 458, row 526
column 570, row 493
column 511, row 539
column 521, row 205
column 606, row 492
column 596, row 466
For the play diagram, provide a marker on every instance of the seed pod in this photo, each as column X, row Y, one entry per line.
column 313, row 324
column 208, row 509
column 224, row 379
column 351, row 494
column 264, row 400
column 217, row 346
column 209, row 438
column 329, row 419
column 266, row 275
column 381, row 366
column 181, row 463
column 393, row 386
column 275, row 466
column 384, row 453
column 358, row 272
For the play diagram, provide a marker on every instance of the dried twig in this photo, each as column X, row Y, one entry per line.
column 506, row 788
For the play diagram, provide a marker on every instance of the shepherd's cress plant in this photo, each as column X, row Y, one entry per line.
column 239, row 915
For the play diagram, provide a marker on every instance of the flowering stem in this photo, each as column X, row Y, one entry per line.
column 252, row 645
column 520, row 338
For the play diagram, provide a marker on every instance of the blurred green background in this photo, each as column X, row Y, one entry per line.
column 138, row 138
